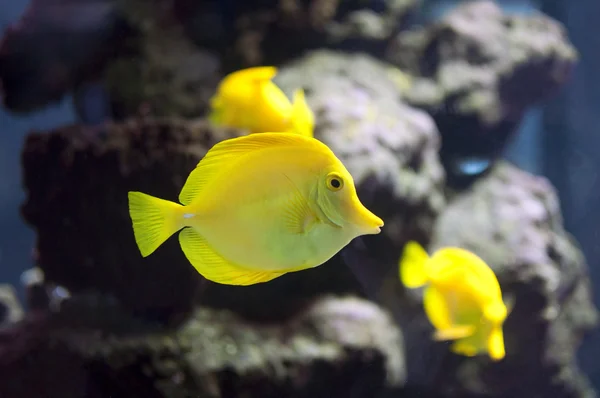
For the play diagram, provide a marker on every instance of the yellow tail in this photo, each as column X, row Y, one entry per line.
column 154, row 220
column 412, row 265
column 302, row 117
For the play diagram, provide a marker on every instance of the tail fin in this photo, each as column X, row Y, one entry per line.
column 154, row 220
column 303, row 119
column 412, row 265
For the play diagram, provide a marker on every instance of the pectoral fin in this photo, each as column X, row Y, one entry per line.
column 214, row 267
column 454, row 333
column 298, row 218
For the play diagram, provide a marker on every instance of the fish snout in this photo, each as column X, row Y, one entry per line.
column 365, row 220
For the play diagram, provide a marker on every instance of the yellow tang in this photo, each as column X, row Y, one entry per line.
column 248, row 99
column 256, row 207
column 462, row 299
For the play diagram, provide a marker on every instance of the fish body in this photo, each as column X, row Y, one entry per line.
column 248, row 99
column 257, row 207
column 462, row 298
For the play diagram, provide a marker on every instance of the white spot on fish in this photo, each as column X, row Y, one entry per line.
column 188, row 215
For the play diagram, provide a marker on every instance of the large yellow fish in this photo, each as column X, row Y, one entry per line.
column 257, row 207
column 462, row 298
column 248, row 99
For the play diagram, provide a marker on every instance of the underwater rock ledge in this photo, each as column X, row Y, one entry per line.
column 339, row 347
column 477, row 70
column 76, row 181
column 167, row 56
column 512, row 220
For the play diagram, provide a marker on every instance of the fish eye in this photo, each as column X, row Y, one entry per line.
column 334, row 182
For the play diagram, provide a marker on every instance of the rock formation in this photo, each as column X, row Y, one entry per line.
column 476, row 71
column 339, row 347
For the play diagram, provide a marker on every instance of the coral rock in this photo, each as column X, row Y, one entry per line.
column 275, row 31
column 339, row 347
column 512, row 220
column 164, row 57
column 11, row 310
column 477, row 70
column 77, row 179
column 56, row 45
column 165, row 73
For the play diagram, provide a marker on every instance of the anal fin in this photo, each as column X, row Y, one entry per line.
column 464, row 348
column 215, row 268
column 496, row 344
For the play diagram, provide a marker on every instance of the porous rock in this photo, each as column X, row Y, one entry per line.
column 76, row 181
column 11, row 310
column 512, row 220
column 55, row 46
column 164, row 57
column 274, row 31
column 477, row 70
column 339, row 347
column 164, row 73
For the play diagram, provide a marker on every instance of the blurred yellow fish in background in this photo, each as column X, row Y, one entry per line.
column 248, row 99
column 257, row 207
column 462, row 298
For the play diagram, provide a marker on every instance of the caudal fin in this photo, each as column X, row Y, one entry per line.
column 303, row 119
column 154, row 220
column 412, row 265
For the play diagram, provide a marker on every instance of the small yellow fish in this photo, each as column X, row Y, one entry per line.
column 257, row 207
column 248, row 99
column 462, row 298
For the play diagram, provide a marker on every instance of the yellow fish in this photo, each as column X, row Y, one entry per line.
column 257, row 207
column 248, row 99
column 462, row 298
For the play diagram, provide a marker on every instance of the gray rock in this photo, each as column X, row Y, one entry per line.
column 11, row 310
column 273, row 32
column 477, row 70
column 389, row 148
column 77, row 179
column 166, row 57
column 512, row 220
column 338, row 347
column 370, row 25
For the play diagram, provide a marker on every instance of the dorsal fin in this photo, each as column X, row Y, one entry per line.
column 246, row 81
column 223, row 156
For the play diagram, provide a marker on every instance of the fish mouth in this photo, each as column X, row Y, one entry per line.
column 366, row 221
